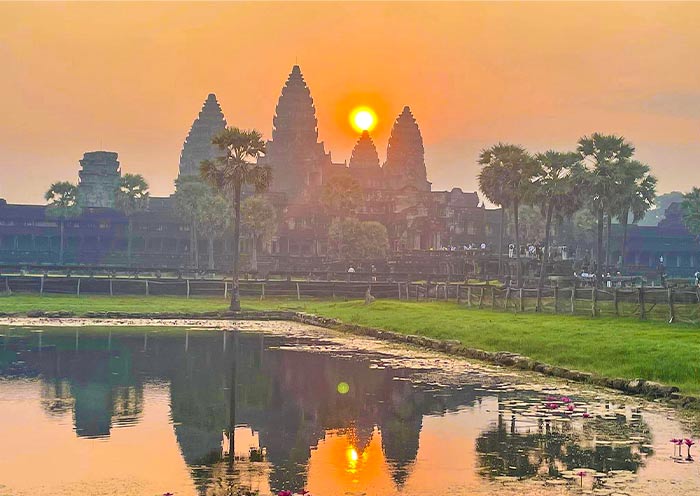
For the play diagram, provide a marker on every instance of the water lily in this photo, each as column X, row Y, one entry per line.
column 570, row 408
column 586, row 415
column 565, row 399
column 285, row 493
column 581, row 474
column 689, row 443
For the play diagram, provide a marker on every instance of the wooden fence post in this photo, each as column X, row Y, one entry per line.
column 522, row 302
column 594, row 301
column 225, row 290
column 398, row 285
column 556, row 297
column 459, row 294
column 671, row 307
column 188, row 287
column 298, row 292
column 642, row 309
column 507, row 303
column 262, row 291
column 41, row 289
column 148, row 292
column 469, row 296
column 538, row 305
column 493, row 298
column 111, row 288
column 573, row 298
column 77, row 289
column 481, row 298
column 616, row 302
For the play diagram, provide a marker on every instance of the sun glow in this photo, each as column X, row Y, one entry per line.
column 363, row 119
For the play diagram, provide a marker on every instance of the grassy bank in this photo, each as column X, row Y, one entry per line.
column 615, row 347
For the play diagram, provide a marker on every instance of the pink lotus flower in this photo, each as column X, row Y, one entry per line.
column 570, row 408
column 551, row 398
column 581, row 474
column 285, row 493
column 565, row 399
column 586, row 415
column 689, row 443
column 551, row 406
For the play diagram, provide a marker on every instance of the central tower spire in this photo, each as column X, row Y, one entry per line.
column 197, row 146
column 296, row 156
column 405, row 156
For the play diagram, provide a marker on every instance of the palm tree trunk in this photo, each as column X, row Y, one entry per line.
column 545, row 255
column 517, row 242
column 129, row 239
column 624, row 220
column 254, row 254
column 599, row 245
column 210, row 249
column 608, row 244
column 195, row 245
column 235, row 294
column 500, row 241
column 61, row 224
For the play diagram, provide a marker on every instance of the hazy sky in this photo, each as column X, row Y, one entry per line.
column 132, row 77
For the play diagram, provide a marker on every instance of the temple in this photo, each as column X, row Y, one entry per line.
column 424, row 227
column 197, row 146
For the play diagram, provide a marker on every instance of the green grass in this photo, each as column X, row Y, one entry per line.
column 616, row 347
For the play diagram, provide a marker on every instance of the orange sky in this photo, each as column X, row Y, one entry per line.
column 132, row 77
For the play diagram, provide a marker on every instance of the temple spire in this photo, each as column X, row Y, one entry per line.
column 197, row 146
column 364, row 155
column 405, row 156
column 296, row 156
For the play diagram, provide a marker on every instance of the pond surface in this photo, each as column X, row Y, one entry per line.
column 125, row 410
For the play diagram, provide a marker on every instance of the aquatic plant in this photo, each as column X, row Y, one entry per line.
column 581, row 474
column 689, row 443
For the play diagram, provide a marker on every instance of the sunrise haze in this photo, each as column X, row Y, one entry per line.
column 132, row 77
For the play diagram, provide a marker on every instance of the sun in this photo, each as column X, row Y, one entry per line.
column 363, row 119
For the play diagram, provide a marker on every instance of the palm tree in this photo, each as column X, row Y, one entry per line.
column 601, row 153
column 637, row 192
column 191, row 194
column 228, row 174
column 260, row 218
column 691, row 211
column 131, row 197
column 555, row 191
column 492, row 187
column 212, row 221
column 514, row 167
column 62, row 198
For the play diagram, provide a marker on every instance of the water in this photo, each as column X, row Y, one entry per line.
column 149, row 410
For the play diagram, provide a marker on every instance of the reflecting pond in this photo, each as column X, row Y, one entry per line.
column 117, row 410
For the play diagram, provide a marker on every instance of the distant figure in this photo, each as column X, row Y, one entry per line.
column 511, row 250
column 697, row 279
column 368, row 296
column 351, row 270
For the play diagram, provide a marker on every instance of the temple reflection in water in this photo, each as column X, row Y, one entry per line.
column 295, row 428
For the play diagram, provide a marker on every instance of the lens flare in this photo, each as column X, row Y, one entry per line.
column 343, row 388
column 363, row 119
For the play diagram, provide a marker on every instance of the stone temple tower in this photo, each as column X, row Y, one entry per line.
column 197, row 146
column 405, row 156
column 99, row 179
column 295, row 155
column 364, row 163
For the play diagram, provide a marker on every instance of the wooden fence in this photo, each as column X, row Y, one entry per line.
column 669, row 304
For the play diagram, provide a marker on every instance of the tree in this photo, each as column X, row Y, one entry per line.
column 62, row 198
column 514, row 167
column 357, row 240
column 260, row 218
column 636, row 195
column 555, row 191
column 601, row 154
column 341, row 196
column 191, row 194
column 131, row 197
column 691, row 211
column 212, row 220
column 493, row 188
column 228, row 173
